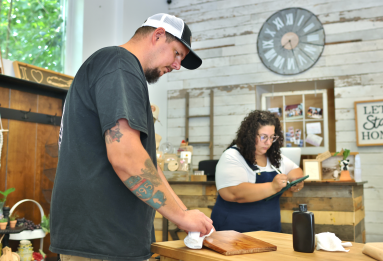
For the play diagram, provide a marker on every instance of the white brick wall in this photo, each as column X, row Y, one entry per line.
column 225, row 35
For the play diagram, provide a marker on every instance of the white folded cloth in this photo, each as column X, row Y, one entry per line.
column 329, row 242
column 194, row 241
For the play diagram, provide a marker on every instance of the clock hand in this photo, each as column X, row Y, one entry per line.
column 295, row 58
column 283, row 46
column 291, row 45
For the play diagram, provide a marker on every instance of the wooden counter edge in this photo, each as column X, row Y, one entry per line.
column 315, row 183
column 193, row 182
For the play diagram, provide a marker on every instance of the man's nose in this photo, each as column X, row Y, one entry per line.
column 176, row 64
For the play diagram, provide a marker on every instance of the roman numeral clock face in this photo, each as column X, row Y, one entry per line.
column 291, row 41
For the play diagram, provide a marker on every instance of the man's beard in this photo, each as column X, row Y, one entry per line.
column 152, row 75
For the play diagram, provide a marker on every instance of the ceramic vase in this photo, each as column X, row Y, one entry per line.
column 345, row 175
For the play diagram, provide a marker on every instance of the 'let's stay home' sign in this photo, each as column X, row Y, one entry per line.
column 369, row 122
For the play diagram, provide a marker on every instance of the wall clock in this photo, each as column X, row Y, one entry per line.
column 291, row 41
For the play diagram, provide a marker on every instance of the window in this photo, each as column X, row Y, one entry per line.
column 33, row 32
column 304, row 118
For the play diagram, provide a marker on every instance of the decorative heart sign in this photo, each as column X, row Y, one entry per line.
column 37, row 75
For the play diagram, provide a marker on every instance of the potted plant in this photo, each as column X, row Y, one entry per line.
column 2, row 200
column 344, row 172
column 45, row 224
column 12, row 220
column 3, row 223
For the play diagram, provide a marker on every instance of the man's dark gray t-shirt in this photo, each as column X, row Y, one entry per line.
column 93, row 214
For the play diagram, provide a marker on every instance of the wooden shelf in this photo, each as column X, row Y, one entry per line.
column 333, row 183
column 199, row 142
column 198, row 116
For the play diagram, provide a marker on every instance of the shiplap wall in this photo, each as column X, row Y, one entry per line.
column 231, row 104
column 225, row 35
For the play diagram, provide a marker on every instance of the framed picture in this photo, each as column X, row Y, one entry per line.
column 276, row 111
column 313, row 168
column 369, row 123
column 315, row 113
column 294, row 111
column 40, row 75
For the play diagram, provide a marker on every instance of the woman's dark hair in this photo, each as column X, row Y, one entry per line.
column 247, row 136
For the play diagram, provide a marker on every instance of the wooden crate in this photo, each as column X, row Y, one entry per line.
column 331, row 164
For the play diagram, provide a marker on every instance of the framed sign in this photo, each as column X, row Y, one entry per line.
column 40, row 75
column 369, row 122
column 313, row 168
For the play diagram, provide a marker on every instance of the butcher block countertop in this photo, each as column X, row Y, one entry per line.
column 176, row 250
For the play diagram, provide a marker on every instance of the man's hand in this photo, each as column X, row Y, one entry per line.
column 279, row 182
column 195, row 220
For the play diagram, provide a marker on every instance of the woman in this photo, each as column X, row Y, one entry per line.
column 247, row 173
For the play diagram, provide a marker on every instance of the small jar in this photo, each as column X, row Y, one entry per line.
column 25, row 250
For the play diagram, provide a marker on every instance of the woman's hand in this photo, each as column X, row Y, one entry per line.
column 297, row 187
column 294, row 175
column 279, row 182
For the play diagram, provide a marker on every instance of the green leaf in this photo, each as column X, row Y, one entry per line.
column 42, row 253
column 6, row 193
column 45, row 224
column 346, row 153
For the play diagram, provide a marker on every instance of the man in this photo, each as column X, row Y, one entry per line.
column 107, row 129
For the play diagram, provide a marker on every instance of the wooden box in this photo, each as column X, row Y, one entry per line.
column 332, row 164
column 176, row 175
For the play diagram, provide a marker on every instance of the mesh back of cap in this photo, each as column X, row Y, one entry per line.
column 175, row 22
column 157, row 17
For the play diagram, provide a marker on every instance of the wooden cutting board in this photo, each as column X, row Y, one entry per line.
column 231, row 242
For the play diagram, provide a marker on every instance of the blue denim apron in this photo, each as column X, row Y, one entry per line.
column 247, row 217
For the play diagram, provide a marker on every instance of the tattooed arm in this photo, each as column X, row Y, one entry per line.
column 176, row 198
column 134, row 167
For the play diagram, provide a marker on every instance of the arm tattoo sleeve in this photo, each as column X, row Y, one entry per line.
column 150, row 172
column 113, row 134
column 143, row 186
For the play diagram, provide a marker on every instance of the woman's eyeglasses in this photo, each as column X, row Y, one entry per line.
column 265, row 138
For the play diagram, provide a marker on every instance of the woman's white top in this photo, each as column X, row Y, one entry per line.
column 233, row 170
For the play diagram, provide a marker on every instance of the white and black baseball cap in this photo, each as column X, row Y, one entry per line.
column 179, row 29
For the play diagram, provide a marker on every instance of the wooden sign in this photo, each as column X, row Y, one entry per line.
column 40, row 75
column 369, row 122
column 313, row 168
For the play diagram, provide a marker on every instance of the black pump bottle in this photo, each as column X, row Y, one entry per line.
column 303, row 230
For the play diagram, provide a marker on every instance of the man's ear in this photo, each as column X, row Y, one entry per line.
column 158, row 34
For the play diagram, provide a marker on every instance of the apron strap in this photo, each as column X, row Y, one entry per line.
column 251, row 165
